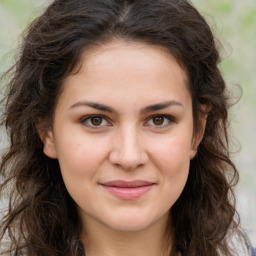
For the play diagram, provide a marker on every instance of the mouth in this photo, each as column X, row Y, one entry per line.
column 128, row 190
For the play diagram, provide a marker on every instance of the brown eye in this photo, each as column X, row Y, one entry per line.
column 158, row 120
column 96, row 120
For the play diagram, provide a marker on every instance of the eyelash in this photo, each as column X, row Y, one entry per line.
column 86, row 119
column 167, row 118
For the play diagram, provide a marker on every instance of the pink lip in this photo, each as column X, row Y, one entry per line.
column 128, row 189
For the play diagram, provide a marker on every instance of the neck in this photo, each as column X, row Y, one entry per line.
column 100, row 240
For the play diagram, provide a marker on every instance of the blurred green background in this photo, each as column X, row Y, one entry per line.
column 234, row 24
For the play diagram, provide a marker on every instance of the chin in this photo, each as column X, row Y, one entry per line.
column 129, row 227
column 131, row 223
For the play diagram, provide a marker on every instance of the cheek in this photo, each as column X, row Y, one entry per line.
column 172, row 151
column 80, row 157
column 172, row 159
column 80, row 160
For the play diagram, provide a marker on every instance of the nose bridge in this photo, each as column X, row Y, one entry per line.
column 128, row 150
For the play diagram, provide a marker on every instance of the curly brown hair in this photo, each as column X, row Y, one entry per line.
column 42, row 217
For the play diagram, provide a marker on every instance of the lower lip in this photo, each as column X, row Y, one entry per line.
column 128, row 193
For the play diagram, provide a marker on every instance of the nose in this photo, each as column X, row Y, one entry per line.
column 128, row 150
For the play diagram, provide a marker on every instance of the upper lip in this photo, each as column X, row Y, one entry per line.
column 127, row 184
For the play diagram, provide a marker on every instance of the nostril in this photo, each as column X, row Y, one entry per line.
column 128, row 161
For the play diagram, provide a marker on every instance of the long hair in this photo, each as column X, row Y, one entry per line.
column 42, row 218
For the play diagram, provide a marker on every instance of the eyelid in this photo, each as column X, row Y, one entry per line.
column 88, row 117
column 170, row 119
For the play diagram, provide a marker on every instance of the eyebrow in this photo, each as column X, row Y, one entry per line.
column 95, row 105
column 160, row 106
column 145, row 110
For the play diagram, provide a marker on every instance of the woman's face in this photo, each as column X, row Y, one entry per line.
column 123, row 135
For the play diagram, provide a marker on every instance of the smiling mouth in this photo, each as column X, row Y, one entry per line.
column 128, row 190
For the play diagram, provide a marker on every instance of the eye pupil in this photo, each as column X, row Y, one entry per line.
column 158, row 120
column 97, row 120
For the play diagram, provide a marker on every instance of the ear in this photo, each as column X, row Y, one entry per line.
column 198, row 136
column 47, row 137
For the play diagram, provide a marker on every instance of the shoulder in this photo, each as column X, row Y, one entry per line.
column 252, row 251
column 251, row 241
column 243, row 245
column 247, row 246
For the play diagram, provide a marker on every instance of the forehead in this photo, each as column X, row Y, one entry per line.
column 132, row 69
column 137, row 52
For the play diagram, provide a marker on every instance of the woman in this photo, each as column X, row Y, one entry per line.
column 117, row 116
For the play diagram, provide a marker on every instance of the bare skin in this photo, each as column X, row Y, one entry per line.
column 125, row 116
